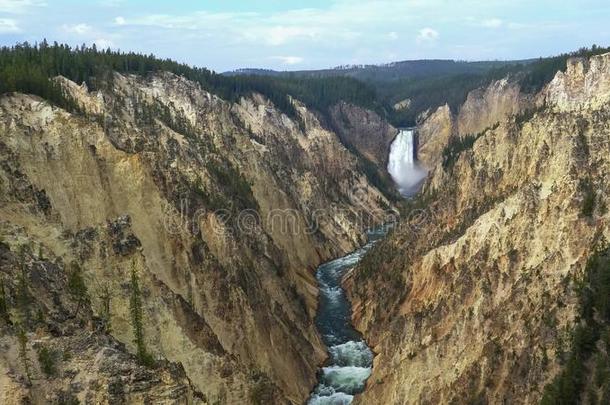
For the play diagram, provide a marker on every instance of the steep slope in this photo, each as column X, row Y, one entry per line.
column 61, row 352
column 222, row 209
column 483, row 108
column 364, row 130
column 473, row 297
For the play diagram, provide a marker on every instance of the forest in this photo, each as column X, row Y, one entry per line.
column 428, row 84
column 586, row 365
column 28, row 68
column 432, row 92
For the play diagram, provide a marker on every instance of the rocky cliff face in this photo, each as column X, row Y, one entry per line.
column 222, row 209
column 480, row 280
column 486, row 106
column 433, row 133
column 483, row 108
column 365, row 131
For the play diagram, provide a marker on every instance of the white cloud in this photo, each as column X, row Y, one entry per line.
column 102, row 43
column 331, row 33
column 90, row 35
column 279, row 35
column 8, row 25
column 19, row 6
column 79, row 29
column 111, row 3
column 289, row 60
column 492, row 23
column 427, row 35
column 341, row 21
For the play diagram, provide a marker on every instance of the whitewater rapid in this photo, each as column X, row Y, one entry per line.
column 402, row 163
column 350, row 359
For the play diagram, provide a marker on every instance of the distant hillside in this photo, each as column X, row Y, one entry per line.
column 389, row 71
column 424, row 83
column 408, row 88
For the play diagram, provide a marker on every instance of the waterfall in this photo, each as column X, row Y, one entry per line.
column 402, row 163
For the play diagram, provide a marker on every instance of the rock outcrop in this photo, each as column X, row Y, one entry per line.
column 483, row 109
column 433, row 133
column 480, row 281
column 223, row 209
column 487, row 106
column 364, row 130
column 584, row 85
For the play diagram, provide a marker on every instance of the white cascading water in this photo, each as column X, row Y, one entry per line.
column 402, row 165
column 350, row 359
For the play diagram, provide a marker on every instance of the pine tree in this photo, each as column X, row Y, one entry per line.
column 135, row 307
column 23, row 352
column 105, row 298
column 3, row 304
column 77, row 287
column 24, row 300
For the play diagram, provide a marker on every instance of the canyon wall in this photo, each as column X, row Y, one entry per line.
column 364, row 130
column 221, row 211
column 473, row 296
column 483, row 108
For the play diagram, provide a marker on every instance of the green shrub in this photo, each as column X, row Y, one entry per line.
column 456, row 146
column 46, row 359
column 137, row 315
column 594, row 298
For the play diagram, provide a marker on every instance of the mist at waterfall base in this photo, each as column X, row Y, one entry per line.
column 402, row 164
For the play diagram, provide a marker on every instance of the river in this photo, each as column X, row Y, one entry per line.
column 350, row 359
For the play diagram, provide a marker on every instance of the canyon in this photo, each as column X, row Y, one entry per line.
column 165, row 243
column 482, row 277
column 222, row 209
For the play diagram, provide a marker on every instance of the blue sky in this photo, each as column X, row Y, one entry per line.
column 291, row 35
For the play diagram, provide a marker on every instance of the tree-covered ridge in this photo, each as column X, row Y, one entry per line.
column 27, row 68
column 432, row 83
column 534, row 76
column 585, row 373
column 409, row 69
column 434, row 91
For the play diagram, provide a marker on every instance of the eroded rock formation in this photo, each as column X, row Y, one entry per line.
column 223, row 210
column 473, row 297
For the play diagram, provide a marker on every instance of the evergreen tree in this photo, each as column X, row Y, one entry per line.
column 30, row 69
column 24, row 299
column 23, row 352
column 77, row 287
column 105, row 297
column 4, row 314
column 135, row 307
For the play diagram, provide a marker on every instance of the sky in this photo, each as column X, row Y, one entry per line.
column 293, row 35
